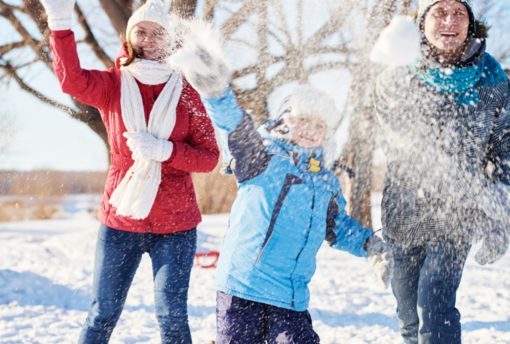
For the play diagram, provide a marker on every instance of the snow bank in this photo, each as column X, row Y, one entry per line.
column 398, row 44
column 46, row 277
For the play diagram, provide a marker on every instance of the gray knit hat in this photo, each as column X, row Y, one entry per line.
column 425, row 5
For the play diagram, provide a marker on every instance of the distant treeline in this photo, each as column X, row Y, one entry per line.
column 50, row 183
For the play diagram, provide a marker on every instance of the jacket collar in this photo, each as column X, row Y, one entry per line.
column 297, row 153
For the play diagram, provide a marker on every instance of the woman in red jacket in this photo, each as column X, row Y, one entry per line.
column 158, row 133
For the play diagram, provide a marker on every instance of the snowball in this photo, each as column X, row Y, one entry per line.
column 399, row 43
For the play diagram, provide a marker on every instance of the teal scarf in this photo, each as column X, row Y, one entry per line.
column 461, row 81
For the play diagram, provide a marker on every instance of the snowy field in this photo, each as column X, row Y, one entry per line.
column 46, row 276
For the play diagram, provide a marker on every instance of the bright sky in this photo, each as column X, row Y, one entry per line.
column 47, row 138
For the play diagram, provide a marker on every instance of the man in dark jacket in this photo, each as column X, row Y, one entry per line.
column 445, row 120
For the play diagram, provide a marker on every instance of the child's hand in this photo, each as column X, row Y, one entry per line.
column 207, row 75
column 380, row 256
column 202, row 60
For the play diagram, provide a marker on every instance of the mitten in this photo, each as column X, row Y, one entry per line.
column 380, row 257
column 495, row 244
column 494, row 201
column 207, row 75
column 147, row 147
column 202, row 61
column 59, row 13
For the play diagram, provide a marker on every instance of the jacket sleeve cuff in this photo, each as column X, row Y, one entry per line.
column 61, row 33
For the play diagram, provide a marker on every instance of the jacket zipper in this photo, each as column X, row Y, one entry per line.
column 302, row 248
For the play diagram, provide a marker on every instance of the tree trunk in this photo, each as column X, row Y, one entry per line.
column 185, row 8
column 358, row 153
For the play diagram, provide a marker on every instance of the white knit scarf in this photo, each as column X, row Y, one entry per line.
column 135, row 194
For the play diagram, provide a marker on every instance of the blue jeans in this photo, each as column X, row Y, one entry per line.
column 425, row 283
column 118, row 255
column 241, row 321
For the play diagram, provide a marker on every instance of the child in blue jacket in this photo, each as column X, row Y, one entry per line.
column 289, row 201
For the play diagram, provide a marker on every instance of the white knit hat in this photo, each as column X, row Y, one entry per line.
column 308, row 101
column 311, row 101
column 152, row 11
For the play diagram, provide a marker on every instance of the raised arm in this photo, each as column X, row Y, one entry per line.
column 243, row 147
column 91, row 87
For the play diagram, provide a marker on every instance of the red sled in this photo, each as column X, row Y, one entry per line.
column 213, row 254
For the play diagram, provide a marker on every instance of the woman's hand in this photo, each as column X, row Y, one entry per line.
column 380, row 256
column 59, row 13
column 146, row 147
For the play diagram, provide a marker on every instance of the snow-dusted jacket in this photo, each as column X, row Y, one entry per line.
column 194, row 144
column 281, row 216
column 438, row 150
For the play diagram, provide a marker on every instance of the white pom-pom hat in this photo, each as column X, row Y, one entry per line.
column 152, row 11
column 308, row 101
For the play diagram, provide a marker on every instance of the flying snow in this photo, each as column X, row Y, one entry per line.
column 398, row 44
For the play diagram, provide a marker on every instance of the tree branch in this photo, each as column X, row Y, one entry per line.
column 233, row 23
column 186, row 8
column 116, row 14
column 328, row 65
column 4, row 49
column 11, row 72
column 34, row 44
column 209, row 9
column 35, row 10
column 90, row 39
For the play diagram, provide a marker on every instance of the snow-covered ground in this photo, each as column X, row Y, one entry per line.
column 46, row 275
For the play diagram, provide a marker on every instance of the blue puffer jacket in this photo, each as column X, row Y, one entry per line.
column 282, row 214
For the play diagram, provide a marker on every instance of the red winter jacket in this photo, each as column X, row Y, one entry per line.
column 195, row 149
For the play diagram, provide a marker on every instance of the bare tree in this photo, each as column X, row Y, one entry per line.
column 282, row 45
column 118, row 12
column 355, row 25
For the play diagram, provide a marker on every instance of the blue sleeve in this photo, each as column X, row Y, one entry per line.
column 226, row 115
column 343, row 232
column 243, row 147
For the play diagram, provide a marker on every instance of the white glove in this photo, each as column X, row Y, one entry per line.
column 201, row 59
column 146, row 147
column 380, row 257
column 208, row 76
column 59, row 13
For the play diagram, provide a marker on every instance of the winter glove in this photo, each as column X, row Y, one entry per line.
column 146, row 147
column 202, row 61
column 380, row 256
column 208, row 76
column 494, row 201
column 59, row 13
column 495, row 245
